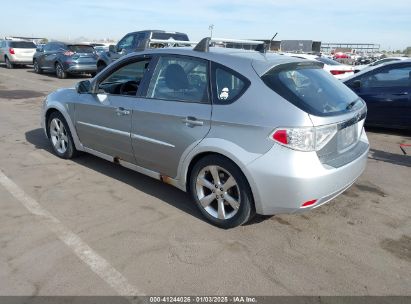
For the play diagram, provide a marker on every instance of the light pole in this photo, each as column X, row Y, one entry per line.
column 211, row 27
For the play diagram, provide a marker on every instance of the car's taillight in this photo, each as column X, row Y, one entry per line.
column 11, row 51
column 304, row 139
column 308, row 203
column 339, row 72
column 68, row 53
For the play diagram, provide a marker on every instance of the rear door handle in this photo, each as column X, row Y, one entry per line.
column 191, row 121
column 400, row 94
column 121, row 111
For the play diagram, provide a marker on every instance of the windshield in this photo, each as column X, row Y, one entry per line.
column 312, row 89
column 81, row 48
column 166, row 36
column 327, row 61
column 22, row 45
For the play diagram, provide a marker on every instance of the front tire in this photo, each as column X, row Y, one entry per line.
column 60, row 136
column 36, row 67
column 9, row 65
column 100, row 66
column 60, row 71
column 221, row 192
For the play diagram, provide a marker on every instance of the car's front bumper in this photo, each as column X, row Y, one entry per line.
column 283, row 179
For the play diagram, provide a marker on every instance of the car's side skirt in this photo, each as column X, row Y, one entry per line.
column 164, row 178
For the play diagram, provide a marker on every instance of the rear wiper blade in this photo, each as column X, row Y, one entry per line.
column 351, row 104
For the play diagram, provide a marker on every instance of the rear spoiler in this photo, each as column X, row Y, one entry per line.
column 205, row 43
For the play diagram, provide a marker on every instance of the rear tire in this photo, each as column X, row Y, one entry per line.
column 221, row 192
column 9, row 65
column 60, row 136
column 60, row 71
column 36, row 67
column 100, row 66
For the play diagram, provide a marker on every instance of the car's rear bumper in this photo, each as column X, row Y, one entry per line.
column 283, row 179
column 82, row 68
column 15, row 60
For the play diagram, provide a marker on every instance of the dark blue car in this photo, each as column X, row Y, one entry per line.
column 386, row 89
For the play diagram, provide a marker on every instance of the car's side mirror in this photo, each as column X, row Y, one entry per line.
column 356, row 84
column 112, row 48
column 83, row 87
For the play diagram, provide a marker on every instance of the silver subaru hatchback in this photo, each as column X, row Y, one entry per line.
column 243, row 132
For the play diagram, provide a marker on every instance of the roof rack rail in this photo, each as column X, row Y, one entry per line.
column 204, row 44
column 162, row 43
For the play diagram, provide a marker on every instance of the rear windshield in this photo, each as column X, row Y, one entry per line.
column 166, row 36
column 81, row 48
column 22, row 45
column 327, row 61
column 312, row 89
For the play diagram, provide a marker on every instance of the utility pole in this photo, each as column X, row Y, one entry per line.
column 210, row 28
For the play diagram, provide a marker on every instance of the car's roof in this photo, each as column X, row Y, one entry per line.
column 156, row 31
column 261, row 62
column 397, row 63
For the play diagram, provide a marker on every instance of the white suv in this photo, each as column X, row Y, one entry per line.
column 14, row 52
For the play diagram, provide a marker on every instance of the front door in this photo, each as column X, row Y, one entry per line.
column 173, row 115
column 103, row 120
column 387, row 92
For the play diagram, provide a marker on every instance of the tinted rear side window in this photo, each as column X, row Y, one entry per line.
column 228, row 85
column 311, row 88
column 327, row 61
column 22, row 45
column 166, row 36
column 81, row 48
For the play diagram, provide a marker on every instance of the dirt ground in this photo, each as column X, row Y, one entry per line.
column 156, row 240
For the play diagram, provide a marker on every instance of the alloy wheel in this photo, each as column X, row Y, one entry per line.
column 218, row 192
column 59, row 136
column 36, row 67
column 59, row 71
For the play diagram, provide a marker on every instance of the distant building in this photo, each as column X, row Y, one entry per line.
column 301, row 46
column 370, row 48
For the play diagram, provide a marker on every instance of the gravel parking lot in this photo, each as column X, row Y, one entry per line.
column 144, row 236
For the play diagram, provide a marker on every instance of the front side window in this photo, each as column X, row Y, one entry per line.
column 181, row 79
column 126, row 43
column 228, row 85
column 309, row 87
column 48, row 47
column 125, row 80
column 394, row 77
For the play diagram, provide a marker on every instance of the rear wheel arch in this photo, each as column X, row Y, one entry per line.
column 48, row 113
column 200, row 156
column 244, row 199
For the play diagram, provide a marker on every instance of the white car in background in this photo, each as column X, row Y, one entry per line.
column 16, row 52
column 340, row 71
column 378, row 62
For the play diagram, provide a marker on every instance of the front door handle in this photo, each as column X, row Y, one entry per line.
column 190, row 121
column 400, row 94
column 121, row 111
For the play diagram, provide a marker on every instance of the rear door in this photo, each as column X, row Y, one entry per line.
column 174, row 113
column 49, row 55
column 387, row 92
column 103, row 119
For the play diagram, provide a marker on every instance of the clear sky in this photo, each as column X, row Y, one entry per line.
column 378, row 21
